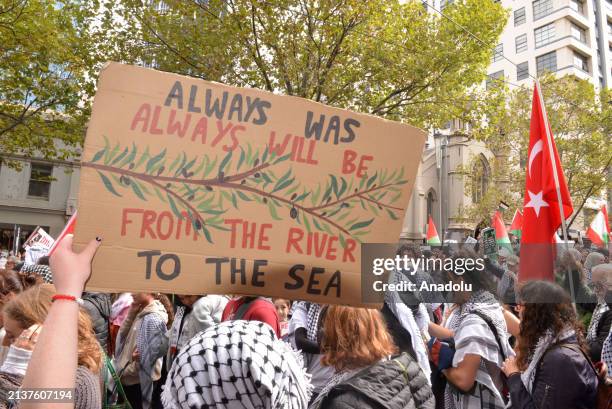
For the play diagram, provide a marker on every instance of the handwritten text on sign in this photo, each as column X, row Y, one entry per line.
column 198, row 187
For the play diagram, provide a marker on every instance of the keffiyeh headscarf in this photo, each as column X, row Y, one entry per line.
column 237, row 364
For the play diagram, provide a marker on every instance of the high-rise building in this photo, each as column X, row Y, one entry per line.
column 560, row 36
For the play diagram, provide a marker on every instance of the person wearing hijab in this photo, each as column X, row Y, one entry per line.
column 593, row 259
column 237, row 364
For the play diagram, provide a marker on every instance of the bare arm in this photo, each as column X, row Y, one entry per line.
column 54, row 359
column 464, row 375
column 439, row 331
column 512, row 322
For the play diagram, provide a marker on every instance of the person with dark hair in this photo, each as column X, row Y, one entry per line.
column 368, row 376
column 551, row 369
column 475, row 378
column 252, row 309
column 139, row 350
column 43, row 261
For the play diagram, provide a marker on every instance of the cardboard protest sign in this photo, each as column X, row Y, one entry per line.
column 198, row 187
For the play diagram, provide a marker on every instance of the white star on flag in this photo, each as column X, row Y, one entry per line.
column 536, row 201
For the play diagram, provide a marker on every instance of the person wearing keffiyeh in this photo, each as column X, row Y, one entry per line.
column 237, row 364
column 550, row 370
column 601, row 320
column 475, row 379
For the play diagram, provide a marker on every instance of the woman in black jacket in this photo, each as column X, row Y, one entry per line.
column 550, row 370
column 357, row 344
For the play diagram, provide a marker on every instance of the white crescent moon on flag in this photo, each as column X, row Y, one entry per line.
column 537, row 148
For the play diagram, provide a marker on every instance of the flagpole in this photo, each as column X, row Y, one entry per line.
column 557, row 185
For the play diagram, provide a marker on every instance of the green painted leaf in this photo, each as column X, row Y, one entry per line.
column 334, row 185
column 243, row 196
column 283, row 185
column 307, row 224
column 249, row 154
column 154, row 160
column 159, row 195
column 343, row 216
column 301, row 197
column 143, row 157
column 272, row 210
column 342, row 241
column 315, row 195
column 342, row 187
column 282, row 158
column 213, row 211
column 111, row 154
column 207, row 234
column 98, row 155
column 210, row 167
column 293, row 188
column 391, row 214
column 108, row 184
column 173, row 207
column 225, row 161
column 190, row 164
column 241, row 159
column 137, row 190
column 316, row 224
column 130, row 158
column 266, row 177
column 180, row 167
column 284, row 177
column 201, row 166
column 265, row 155
column 176, row 161
column 371, row 181
column 361, row 225
column 327, row 194
column 121, row 156
column 234, row 201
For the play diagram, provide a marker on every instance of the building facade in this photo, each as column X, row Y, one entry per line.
column 41, row 193
column 560, row 36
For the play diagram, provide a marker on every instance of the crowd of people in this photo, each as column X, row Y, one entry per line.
column 504, row 344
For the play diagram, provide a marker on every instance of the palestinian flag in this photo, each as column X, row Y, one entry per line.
column 432, row 233
column 501, row 235
column 517, row 224
column 599, row 230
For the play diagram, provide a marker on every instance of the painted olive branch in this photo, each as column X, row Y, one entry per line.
column 186, row 183
column 289, row 202
column 356, row 194
column 379, row 203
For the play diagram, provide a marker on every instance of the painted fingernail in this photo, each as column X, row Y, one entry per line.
column 98, row 238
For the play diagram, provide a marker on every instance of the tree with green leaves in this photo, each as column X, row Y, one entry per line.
column 45, row 88
column 581, row 122
column 400, row 61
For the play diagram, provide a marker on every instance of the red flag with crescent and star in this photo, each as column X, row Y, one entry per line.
column 541, row 209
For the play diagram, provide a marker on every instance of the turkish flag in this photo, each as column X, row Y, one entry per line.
column 541, row 208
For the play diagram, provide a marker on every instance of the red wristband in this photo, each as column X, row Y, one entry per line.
column 67, row 298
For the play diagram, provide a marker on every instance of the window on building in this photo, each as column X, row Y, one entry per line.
column 577, row 5
column 582, row 62
column 519, row 17
column 522, row 71
column 546, row 62
column 431, row 204
column 40, row 180
column 544, row 35
column 492, row 79
column 542, row 8
column 521, row 43
column 480, row 179
column 498, row 53
column 578, row 33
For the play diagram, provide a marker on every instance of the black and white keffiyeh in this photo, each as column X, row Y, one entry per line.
column 237, row 364
column 601, row 308
column 545, row 342
column 314, row 314
column 606, row 351
column 40, row 269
